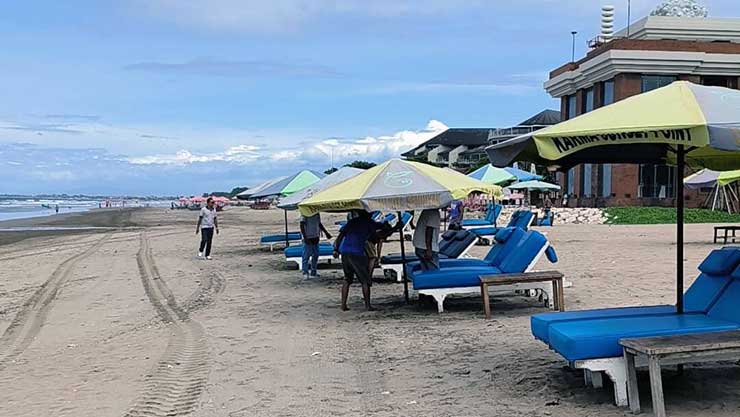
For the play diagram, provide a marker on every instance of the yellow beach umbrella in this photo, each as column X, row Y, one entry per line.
column 397, row 185
column 680, row 124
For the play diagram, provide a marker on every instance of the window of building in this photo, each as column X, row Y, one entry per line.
column 607, row 93
column 586, row 170
column 570, row 181
column 604, row 180
column 572, row 111
column 720, row 81
column 656, row 181
column 651, row 82
column 588, row 100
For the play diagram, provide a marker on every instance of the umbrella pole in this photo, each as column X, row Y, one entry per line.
column 287, row 243
column 681, row 155
column 403, row 263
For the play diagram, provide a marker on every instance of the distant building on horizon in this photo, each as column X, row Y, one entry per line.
column 651, row 53
column 463, row 148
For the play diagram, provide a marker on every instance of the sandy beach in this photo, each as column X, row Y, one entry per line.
column 127, row 321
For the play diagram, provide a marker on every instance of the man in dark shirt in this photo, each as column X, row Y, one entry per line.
column 355, row 262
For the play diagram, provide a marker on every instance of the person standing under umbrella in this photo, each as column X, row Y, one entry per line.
column 351, row 243
column 207, row 222
column 426, row 239
column 311, row 229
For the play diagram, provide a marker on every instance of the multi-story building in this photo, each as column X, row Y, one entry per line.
column 651, row 53
column 462, row 148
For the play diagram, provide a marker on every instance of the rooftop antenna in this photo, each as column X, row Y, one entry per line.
column 573, row 48
column 629, row 16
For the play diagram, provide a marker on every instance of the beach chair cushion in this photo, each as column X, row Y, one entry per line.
column 721, row 261
column 514, row 256
column 599, row 338
column 296, row 251
column 492, row 213
column 476, row 222
column 520, row 218
column 541, row 323
column 452, row 245
column 494, row 256
column 292, row 236
column 699, row 298
column 525, row 252
column 457, row 277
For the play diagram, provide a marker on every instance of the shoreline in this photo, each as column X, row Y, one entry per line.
column 85, row 222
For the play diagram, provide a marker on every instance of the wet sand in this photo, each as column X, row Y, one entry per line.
column 129, row 321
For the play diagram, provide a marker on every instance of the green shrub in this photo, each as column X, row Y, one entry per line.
column 665, row 215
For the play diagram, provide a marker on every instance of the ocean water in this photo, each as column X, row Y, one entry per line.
column 24, row 208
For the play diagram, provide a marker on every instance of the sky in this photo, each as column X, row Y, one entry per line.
column 181, row 97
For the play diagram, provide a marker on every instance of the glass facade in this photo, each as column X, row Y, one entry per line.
column 588, row 100
column 607, row 93
column 572, row 110
column 651, row 82
column 656, row 181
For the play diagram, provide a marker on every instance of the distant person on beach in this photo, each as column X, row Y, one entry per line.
column 426, row 239
column 56, row 208
column 207, row 222
column 352, row 245
column 457, row 211
column 311, row 229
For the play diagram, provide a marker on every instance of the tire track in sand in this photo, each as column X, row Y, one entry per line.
column 30, row 319
column 175, row 384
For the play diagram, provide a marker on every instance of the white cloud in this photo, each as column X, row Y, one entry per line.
column 368, row 148
column 237, row 154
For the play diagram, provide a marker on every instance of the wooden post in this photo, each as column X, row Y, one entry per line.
column 656, row 386
column 633, row 392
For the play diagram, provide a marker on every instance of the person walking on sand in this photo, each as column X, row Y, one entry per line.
column 426, row 239
column 351, row 243
column 207, row 222
column 311, row 229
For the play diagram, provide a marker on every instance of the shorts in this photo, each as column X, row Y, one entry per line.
column 371, row 249
column 356, row 266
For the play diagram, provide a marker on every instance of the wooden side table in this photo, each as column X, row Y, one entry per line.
column 674, row 350
column 528, row 277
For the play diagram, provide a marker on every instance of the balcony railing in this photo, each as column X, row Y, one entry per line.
column 497, row 135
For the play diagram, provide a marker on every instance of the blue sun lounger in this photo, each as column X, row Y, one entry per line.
column 295, row 253
column 454, row 244
column 492, row 213
column 520, row 218
column 517, row 252
column 589, row 339
column 279, row 239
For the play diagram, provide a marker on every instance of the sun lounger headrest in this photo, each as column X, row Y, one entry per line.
column 461, row 234
column 721, row 261
column 449, row 235
column 504, row 234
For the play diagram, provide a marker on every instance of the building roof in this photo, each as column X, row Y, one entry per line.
column 544, row 118
column 455, row 137
column 477, row 137
column 684, row 28
column 656, row 45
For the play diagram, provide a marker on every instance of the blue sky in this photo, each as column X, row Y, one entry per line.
column 184, row 96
